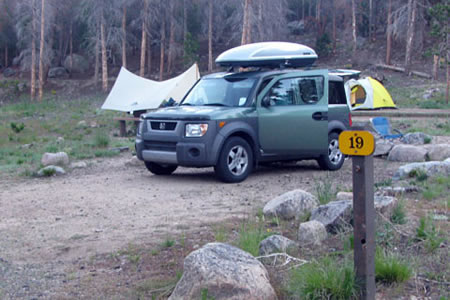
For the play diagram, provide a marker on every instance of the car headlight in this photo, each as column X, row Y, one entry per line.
column 196, row 130
column 140, row 127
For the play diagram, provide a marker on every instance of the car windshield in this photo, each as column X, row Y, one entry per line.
column 220, row 92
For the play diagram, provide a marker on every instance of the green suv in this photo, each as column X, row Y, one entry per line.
column 234, row 121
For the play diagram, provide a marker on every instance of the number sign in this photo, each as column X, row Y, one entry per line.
column 360, row 143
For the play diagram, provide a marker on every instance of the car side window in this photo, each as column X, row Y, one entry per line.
column 336, row 93
column 311, row 89
column 284, row 92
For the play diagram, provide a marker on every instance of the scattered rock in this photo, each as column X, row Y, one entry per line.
column 93, row 124
column 431, row 168
column 226, row 272
column 78, row 165
column 134, row 162
column 344, row 196
column 438, row 152
column 8, row 72
column 60, row 140
column 60, row 158
column 50, row 171
column 397, row 191
column 79, row 64
column 407, row 153
column 415, row 138
column 293, row 204
column 82, row 124
column 440, row 217
column 311, row 233
column 27, row 146
column 333, row 215
column 21, row 86
column 383, row 147
column 120, row 149
column 275, row 244
column 430, row 93
column 384, row 204
column 58, row 72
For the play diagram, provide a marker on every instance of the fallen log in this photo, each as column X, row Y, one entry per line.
column 400, row 69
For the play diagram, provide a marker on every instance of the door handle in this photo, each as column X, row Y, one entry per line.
column 320, row 116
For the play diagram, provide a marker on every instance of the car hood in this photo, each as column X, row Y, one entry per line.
column 194, row 113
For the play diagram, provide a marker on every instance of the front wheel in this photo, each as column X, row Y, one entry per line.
column 334, row 159
column 235, row 161
column 160, row 169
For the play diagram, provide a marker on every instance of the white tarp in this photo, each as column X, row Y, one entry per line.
column 131, row 92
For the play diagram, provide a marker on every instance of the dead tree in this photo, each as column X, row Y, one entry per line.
column 412, row 4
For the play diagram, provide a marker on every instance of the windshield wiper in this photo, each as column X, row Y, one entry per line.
column 186, row 104
column 214, row 104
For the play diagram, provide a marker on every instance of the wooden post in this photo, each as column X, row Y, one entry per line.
column 364, row 225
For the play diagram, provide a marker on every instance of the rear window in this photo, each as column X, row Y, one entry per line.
column 336, row 93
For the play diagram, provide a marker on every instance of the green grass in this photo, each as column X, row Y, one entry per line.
column 324, row 191
column 41, row 123
column 398, row 215
column 250, row 235
column 326, row 278
column 220, row 233
column 168, row 242
column 412, row 96
column 390, row 268
column 426, row 232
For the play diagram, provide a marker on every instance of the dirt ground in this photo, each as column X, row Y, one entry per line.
column 47, row 225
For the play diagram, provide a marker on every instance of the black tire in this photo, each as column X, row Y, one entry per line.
column 235, row 161
column 334, row 159
column 160, row 169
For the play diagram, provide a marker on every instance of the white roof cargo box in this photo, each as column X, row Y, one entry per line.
column 268, row 54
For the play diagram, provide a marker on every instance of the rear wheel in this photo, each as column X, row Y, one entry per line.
column 160, row 169
column 235, row 161
column 334, row 159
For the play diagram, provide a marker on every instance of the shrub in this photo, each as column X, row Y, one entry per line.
column 48, row 172
column 324, row 279
column 325, row 192
column 389, row 268
column 17, row 128
column 427, row 232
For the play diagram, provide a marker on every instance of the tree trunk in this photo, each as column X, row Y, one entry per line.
column 6, row 56
column 71, row 46
column 124, row 36
column 163, row 41
column 303, row 9
column 144, row 39
column 246, row 23
column 448, row 83
column 334, row 27
column 171, row 37
column 318, row 13
column 33, row 51
column 435, row 66
column 389, row 34
column 184, row 26
column 410, row 35
column 41, row 52
column 210, row 24
column 354, row 27
column 261, row 21
column 310, row 8
column 104, row 58
column 370, row 20
column 97, row 56
column 149, row 58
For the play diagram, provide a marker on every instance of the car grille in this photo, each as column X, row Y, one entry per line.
column 156, row 125
column 160, row 146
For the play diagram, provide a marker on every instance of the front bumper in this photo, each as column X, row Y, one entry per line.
column 172, row 147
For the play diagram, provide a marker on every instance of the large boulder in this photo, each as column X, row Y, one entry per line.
column 60, row 158
column 275, row 244
column 8, row 72
column 407, row 153
column 431, row 168
column 438, row 152
column 383, row 147
column 79, row 64
column 293, row 204
column 333, row 215
column 224, row 272
column 416, row 138
column 311, row 233
column 58, row 72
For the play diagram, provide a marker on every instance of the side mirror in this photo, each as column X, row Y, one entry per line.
column 266, row 101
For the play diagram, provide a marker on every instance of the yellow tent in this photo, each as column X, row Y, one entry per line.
column 367, row 93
